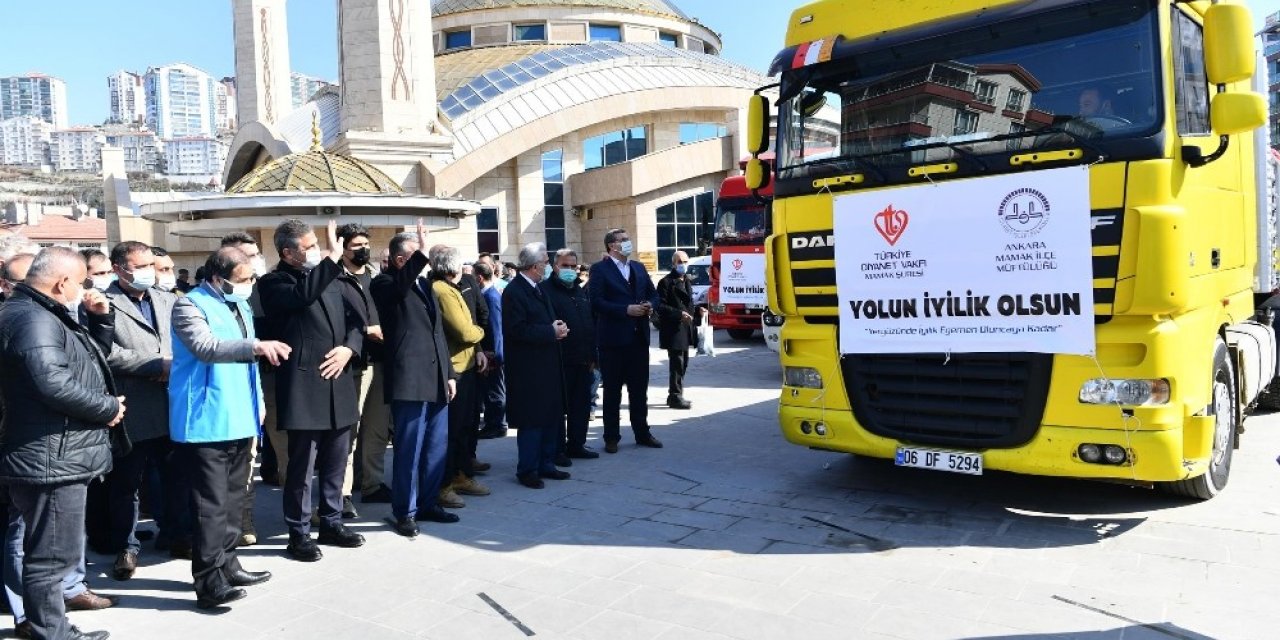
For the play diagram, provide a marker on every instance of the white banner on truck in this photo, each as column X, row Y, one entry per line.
column 983, row 265
column 742, row 279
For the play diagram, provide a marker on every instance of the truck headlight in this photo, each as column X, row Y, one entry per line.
column 770, row 319
column 804, row 377
column 1134, row 393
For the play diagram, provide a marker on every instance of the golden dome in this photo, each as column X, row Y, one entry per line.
column 316, row 170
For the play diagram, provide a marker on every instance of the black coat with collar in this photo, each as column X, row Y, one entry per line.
column 532, row 360
column 58, row 393
column 675, row 298
column 417, row 357
column 308, row 312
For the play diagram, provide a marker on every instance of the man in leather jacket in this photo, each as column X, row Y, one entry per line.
column 52, row 448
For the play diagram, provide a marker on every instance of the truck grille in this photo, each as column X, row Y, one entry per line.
column 991, row 400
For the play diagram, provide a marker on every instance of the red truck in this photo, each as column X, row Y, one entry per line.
column 737, row 296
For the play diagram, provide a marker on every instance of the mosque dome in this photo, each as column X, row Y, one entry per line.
column 652, row 7
column 316, row 170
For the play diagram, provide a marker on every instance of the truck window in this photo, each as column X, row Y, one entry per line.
column 1191, row 88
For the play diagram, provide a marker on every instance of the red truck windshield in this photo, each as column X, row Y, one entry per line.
column 740, row 221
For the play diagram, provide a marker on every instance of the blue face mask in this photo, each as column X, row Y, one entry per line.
column 546, row 272
column 682, row 269
column 567, row 276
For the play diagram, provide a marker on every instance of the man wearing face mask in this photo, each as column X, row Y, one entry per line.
column 216, row 410
column 59, row 403
column 531, row 336
column 99, row 269
column 316, row 394
column 623, row 296
column 166, row 277
column 375, row 419
column 140, row 361
column 572, row 305
column 676, row 332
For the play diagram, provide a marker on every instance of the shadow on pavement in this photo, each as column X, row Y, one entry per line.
column 1164, row 630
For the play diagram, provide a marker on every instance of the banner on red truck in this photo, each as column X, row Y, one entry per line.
column 742, row 279
column 1000, row 264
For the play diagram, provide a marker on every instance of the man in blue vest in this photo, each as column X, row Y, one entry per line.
column 215, row 411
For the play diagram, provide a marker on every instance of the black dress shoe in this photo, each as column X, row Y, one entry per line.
column 348, row 509
column 676, row 402
column 562, row 460
column 227, row 595
column 24, row 631
column 649, row 441
column 489, row 433
column 126, row 565
column 341, row 536
column 77, row 634
column 381, row 495
column 554, row 474
column 303, row 549
column 610, row 447
column 406, row 527
column 583, row 454
column 242, row 578
column 436, row 514
column 532, row 481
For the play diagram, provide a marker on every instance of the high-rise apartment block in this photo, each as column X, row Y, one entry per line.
column 195, row 156
column 24, row 141
column 38, row 95
column 142, row 150
column 305, row 86
column 182, row 101
column 78, row 149
column 226, row 108
column 128, row 98
column 1271, row 49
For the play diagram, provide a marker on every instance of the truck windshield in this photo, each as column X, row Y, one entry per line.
column 1075, row 77
column 740, row 221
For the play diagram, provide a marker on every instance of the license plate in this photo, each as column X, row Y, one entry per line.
column 952, row 461
column 755, row 309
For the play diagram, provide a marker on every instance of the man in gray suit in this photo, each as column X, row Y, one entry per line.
column 140, row 359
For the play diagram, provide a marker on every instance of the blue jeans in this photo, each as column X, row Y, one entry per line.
column 72, row 585
column 421, row 442
column 53, row 548
column 537, row 448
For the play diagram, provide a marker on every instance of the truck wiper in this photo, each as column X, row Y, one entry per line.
column 1076, row 137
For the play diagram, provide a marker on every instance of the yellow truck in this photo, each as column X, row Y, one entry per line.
column 1033, row 236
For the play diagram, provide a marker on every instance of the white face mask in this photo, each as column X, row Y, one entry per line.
column 101, row 283
column 259, row 265
column 313, row 258
column 143, row 279
column 626, row 248
column 73, row 303
column 167, row 282
column 239, row 292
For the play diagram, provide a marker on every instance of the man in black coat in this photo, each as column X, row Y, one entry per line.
column 676, row 332
column 420, row 382
column 535, row 400
column 571, row 305
column 59, row 404
column 316, row 393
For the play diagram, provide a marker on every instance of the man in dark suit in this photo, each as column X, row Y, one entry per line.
column 316, row 393
column 570, row 301
column 420, row 382
column 535, row 400
column 676, row 332
column 140, row 360
column 623, row 296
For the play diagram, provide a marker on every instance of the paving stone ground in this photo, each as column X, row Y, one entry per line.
column 729, row 532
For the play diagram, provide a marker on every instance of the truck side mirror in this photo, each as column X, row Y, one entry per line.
column 1228, row 44
column 1239, row 112
column 757, row 125
column 757, row 174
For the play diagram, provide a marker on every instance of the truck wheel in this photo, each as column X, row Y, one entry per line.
column 1226, row 427
column 742, row 335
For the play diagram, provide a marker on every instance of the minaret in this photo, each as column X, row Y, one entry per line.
column 388, row 84
column 263, row 89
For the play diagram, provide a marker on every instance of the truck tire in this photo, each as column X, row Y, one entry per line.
column 742, row 335
column 1225, row 431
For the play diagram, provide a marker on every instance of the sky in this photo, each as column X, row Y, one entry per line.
column 84, row 41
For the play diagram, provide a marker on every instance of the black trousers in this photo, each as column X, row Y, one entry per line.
column 324, row 453
column 53, row 546
column 124, row 482
column 494, row 390
column 679, row 364
column 463, row 434
column 577, row 382
column 625, row 366
column 216, row 471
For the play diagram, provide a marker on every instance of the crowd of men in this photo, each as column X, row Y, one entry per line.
column 127, row 388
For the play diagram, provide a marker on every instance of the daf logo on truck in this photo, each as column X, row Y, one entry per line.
column 813, row 242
